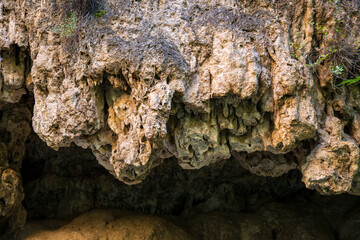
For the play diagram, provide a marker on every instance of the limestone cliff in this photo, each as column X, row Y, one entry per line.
column 200, row 81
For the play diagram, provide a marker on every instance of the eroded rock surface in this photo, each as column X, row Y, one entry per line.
column 198, row 80
column 108, row 224
column 14, row 129
column 331, row 167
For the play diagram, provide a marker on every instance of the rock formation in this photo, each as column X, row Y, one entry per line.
column 200, row 81
column 14, row 130
column 220, row 201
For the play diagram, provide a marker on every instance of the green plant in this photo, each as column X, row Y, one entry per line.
column 320, row 29
column 337, row 70
column 296, row 46
column 350, row 81
column 71, row 16
column 69, row 27
column 318, row 61
column 100, row 13
column 336, row 45
column 357, row 43
column 75, row 14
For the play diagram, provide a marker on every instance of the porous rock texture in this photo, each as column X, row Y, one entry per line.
column 14, row 129
column 200, row 80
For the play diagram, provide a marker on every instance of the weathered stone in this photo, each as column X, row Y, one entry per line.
column 332, row 165
column 196, row 80
column 108, row 224
column 265, row 163
column 13, row 70
column 14, row 130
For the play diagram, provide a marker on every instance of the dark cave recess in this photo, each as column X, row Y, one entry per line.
column 66, row 183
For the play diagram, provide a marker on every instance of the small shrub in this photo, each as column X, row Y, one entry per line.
column 75, row 13
column 337, row 44
column 72, row 16
column 69, row 27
